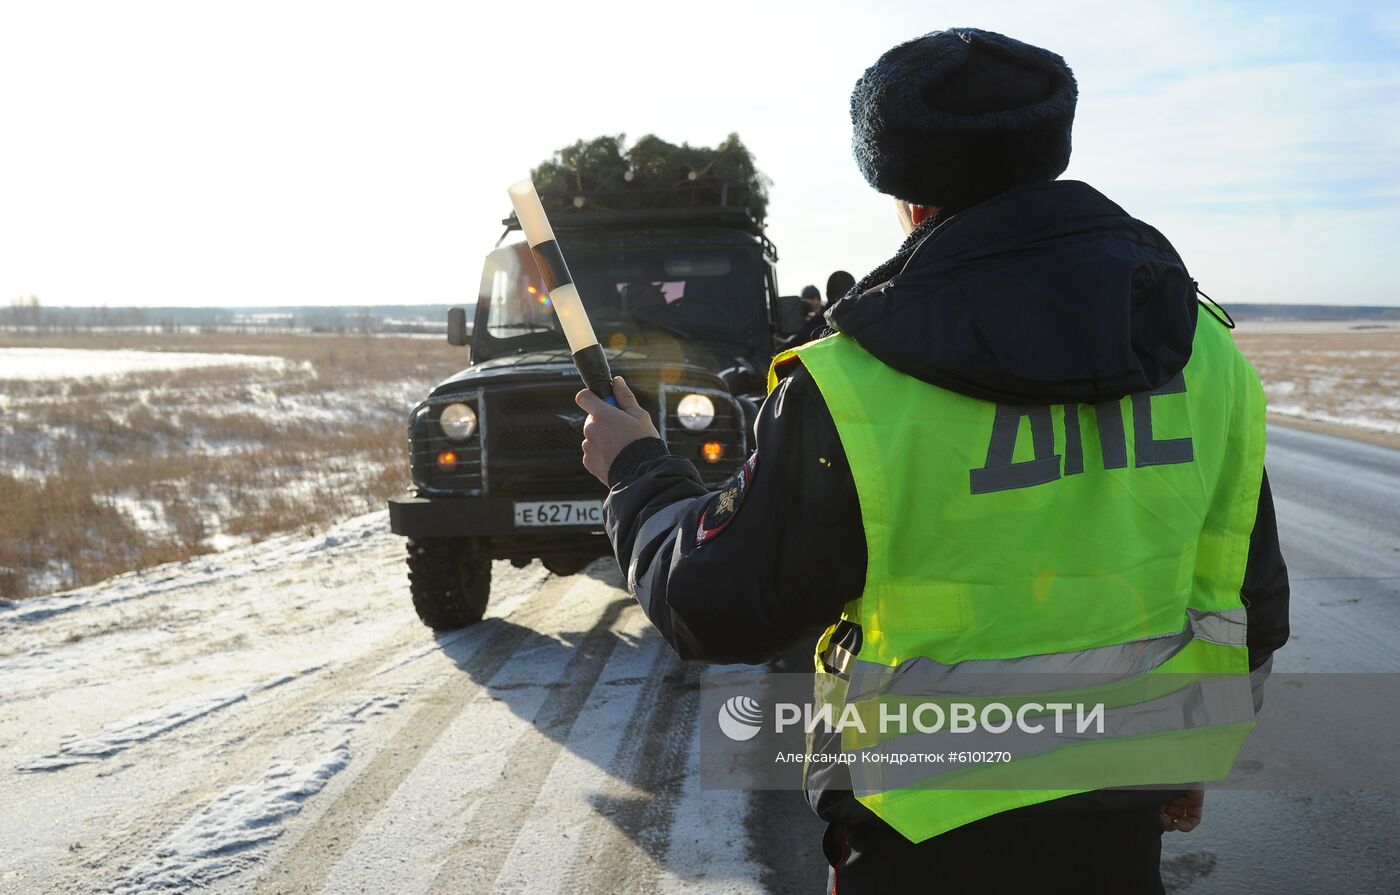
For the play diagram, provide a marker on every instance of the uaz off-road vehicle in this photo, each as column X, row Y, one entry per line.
column 685, row 302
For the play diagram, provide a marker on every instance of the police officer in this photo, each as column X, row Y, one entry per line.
column 1023, row 448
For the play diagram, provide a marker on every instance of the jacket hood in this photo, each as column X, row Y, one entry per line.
column 1046, row 294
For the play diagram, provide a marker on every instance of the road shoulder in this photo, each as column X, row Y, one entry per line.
column 1352, row 433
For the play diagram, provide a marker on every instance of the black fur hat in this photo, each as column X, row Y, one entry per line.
column 958, row 116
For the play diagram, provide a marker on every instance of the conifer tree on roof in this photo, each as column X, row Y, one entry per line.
column 604, row 174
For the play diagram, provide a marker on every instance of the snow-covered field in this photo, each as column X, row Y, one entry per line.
column 123, row 449
column 1347, row 377
column 159, row 446
column 1377, row 414
column 87, row 363
column 275, row 719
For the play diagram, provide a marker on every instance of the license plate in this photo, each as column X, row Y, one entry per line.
column 558, row 512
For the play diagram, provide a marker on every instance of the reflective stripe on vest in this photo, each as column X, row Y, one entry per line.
column 1014, row 548
column 922, row 675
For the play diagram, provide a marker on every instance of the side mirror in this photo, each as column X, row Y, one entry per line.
column 790, row 312
column 457, row 326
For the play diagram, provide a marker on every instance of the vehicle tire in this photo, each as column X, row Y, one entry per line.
column 450, row 579
column 564, row 566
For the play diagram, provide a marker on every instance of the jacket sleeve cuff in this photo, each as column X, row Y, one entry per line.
column 631, row 457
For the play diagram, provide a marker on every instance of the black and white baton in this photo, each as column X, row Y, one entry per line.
column 592, row 363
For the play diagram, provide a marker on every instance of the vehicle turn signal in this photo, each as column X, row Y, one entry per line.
column 447, row 460
column 712, row 451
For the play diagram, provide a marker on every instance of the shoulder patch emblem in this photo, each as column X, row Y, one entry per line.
column 727, row 501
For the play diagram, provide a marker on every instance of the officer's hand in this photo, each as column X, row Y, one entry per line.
column 609, row 429
column 1184, row 814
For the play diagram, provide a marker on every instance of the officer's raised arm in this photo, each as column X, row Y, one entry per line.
column 748, row 571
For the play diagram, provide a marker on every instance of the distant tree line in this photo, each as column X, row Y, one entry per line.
column 30, row 313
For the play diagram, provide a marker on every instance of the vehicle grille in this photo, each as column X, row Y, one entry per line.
column 533, row 442
column 551, row 440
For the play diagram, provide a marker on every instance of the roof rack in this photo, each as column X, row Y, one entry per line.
column 714, row 214
column 599, row 209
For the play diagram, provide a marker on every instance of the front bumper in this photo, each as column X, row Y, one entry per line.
column 452, row 517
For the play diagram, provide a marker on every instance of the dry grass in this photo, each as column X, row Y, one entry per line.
column 1346, row 381
column 98, row 477
column 215, row 456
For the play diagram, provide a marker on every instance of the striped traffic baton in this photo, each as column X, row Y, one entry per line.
column 588, row 355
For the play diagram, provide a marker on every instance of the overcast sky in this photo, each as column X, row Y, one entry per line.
column 198, row 153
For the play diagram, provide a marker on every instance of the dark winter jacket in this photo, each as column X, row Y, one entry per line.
column 1046, row 294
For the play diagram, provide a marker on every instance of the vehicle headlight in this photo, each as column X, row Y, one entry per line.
column 458, row 421
column 696, row 411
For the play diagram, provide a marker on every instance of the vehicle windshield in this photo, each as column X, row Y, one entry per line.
column 711, row 293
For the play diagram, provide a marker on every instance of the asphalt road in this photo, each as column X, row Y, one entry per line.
column 1338, row 505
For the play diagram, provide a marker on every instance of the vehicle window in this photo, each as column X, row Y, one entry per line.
column 519, row 304
column 709, row 293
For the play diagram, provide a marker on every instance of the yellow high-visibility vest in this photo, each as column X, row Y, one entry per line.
column 1098, row 548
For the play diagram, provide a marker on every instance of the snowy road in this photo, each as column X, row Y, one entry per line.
column 275, row 720
column 1338, row 505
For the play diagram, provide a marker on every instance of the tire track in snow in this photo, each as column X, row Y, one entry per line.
column 310, row 860
column 635, row 837
column 125, row 733
column 141, row 831
column 565, row 814
column 483, row 856
column 226, row 836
